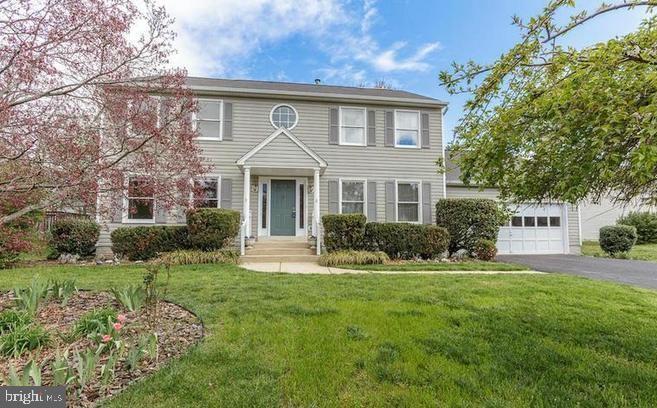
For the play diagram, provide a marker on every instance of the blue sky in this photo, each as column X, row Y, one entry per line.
column 354, row 42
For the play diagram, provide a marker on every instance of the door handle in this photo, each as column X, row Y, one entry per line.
column 294, row 214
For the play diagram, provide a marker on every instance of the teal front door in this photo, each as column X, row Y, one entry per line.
column 283, row 206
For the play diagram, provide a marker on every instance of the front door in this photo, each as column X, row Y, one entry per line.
column 283, row 207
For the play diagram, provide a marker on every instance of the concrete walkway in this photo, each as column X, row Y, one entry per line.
column 313, row 268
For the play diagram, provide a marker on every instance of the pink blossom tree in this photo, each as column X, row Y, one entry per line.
column 86, row 98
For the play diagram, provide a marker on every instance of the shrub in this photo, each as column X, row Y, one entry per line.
column 343, row 231
column 144, row 243
column 191, row 257
column 406, row 241
column 468, row 220
column 212, row 228
column 617, row 239
column 23, row 338
column 353, row 258
column 75, row 236
column 13, row 242
column 645, row 224
column 485, row 250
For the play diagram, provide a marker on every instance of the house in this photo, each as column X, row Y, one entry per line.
column 605, row 212
column 286, row 153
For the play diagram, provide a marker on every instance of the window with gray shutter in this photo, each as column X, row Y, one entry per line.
column 426, row 203
column 333, row 197
column 371, row 201
column 389, row 139
column 334, row 126
column 390, row 202
column 425, row 130
column 226, row 193
column 228, row 121
column 371, row 127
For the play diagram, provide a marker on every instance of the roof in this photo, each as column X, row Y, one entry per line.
column 309, row 91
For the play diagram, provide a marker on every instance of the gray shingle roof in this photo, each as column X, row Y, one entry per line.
column 291, row 88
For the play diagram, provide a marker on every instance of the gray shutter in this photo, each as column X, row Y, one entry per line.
column 426, row 203
column 425, row 130
column 391, row 215
column 334, row 126
column 117, row 211
column 371, row 127
column 160, row 214
column 228, row 121
column 333, row 194
column 389, row 139
column 226, row 193
column 371, row 201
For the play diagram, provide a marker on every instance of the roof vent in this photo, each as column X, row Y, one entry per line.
column 318, row 81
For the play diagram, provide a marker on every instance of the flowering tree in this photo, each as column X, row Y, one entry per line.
column 85, row 100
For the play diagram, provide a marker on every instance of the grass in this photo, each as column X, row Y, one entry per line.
column 396, row 340
column 644, row 252
column 451, row 266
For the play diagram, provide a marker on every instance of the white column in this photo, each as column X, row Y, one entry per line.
column 316, row 219
column 246, row 212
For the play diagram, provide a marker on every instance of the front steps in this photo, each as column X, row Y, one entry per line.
column 280, row 249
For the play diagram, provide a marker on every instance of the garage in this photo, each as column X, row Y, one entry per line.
column 535, row 229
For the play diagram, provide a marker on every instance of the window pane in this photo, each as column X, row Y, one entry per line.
column 555, row 221
column 542, row 221
column 408, row 213
column 353, row 135
column 264, row 205
column 516, row 221
column 406, row 138
column 407, row 120
column 352, row 208
column 284, row 116
column 208, row 129
column 206, row 188
column 139, row 187
column 209, row 110
column 530, row 222
column 353, row 117
column 302, row 207
column 407, row 192
column 201, row 203
column 353, row 191
column 140, row 209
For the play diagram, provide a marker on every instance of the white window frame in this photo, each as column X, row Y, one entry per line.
column 195, row 120
column 271, row 115
column 419, row 129
column 419, row 200
column 364, row 181
column 341, row 126
column 207, row 176
column 125, row 219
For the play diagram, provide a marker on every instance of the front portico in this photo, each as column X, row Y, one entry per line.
column 288, row 172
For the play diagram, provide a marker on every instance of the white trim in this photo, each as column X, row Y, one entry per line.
column 442, row 138
column 271, row 116
column 207, row 176
column 126, row 204
column 340, row 126
column 220, row 120
column 565, row 234
column 419, row 129
column 242, row 160
column 364, row 181
column 419, row 200
column 299, row 232
column 579, row 224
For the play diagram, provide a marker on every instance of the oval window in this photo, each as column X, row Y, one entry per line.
column 284, row 116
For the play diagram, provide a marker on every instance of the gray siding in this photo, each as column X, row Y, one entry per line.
column 596, row 216
column 282, row 150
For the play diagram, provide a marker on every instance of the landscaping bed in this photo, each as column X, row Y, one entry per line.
column 411, row 266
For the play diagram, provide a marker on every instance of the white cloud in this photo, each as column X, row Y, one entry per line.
column 388, row 61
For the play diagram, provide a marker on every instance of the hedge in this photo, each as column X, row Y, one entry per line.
column 617, row 239
column 212, row 228
column 143, row 243
column 485, row 250
column 645, row 224
column 469, row 220
column 406, row 241
column 343, row 231
column 74, row 236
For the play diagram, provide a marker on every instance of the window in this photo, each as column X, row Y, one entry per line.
column 408, row 202
column 302, row 207
column 530, row 222
column 141, row 199
column 555, row 221
column 352, row 197
column 207, row 121
column 264, row 205
column 284, row 116
column 206, row 192
column 352, row 126
column 407, row 128
column 516, row 221
column 541, row 221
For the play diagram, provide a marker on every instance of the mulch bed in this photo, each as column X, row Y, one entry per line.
column 177, row 330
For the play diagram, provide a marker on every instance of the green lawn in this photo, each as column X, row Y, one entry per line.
column 397, row 340
column 447, row 266
column 646, row 252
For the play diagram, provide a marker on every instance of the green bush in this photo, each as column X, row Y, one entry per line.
column 645, row 224
column 193, row 256
column 212, row 228
column 617, row 239
column 485, row 250
column 468, row 220
column 143, row 243
column 74, row 236
column 343, row 231
column 353, row 258
column 406, row 241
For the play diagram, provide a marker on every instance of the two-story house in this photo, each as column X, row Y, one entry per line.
column 284, row 154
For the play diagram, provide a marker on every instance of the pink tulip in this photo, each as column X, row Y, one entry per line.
column 117, row 326
column 121, row 318
column 107, row 338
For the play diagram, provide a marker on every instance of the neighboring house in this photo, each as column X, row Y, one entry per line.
column 595, row 216
column 372, row 151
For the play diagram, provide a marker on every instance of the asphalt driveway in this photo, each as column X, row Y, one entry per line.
column 639, row 273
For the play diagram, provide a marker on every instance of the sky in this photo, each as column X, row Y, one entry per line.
column 357, row 42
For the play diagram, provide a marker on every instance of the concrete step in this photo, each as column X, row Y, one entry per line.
column 281, row 245
column 257, row 250
column 278, row 258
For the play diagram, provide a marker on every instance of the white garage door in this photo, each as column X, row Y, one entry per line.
column 534, row 229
